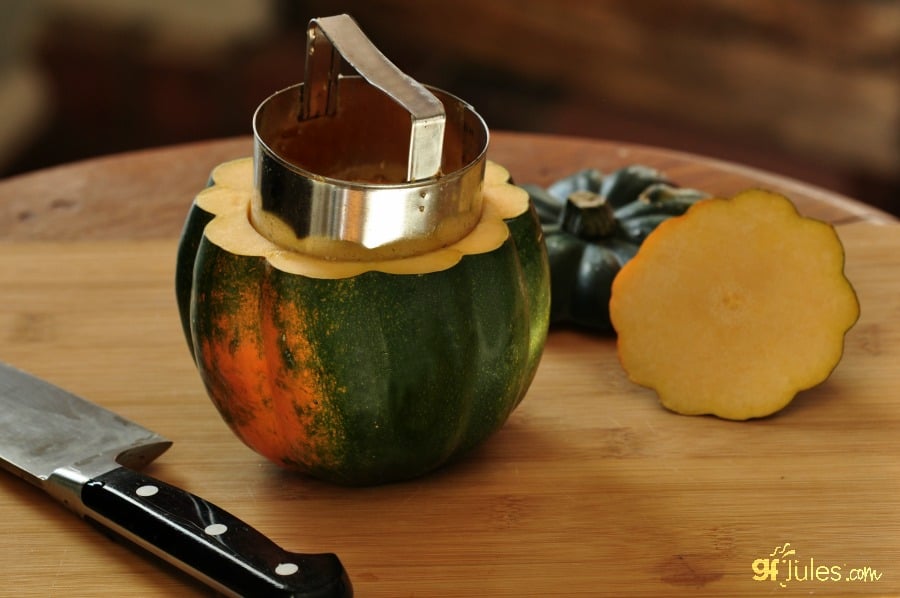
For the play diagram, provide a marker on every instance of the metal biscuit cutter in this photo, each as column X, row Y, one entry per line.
column 366, row 167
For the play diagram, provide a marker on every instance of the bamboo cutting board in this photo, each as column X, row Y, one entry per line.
column 590, row 489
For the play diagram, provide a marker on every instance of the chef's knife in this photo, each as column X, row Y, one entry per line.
column 88, row 457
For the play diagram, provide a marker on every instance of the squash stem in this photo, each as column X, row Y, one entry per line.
column 588, row 216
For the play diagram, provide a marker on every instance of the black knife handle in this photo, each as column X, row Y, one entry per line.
column 207, row 542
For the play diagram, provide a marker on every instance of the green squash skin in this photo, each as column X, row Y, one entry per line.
column 524, row 230
column 411, row 371
column 581, row 275
column 191, row 235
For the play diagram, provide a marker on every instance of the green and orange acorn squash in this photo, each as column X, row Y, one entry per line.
column 362, row 372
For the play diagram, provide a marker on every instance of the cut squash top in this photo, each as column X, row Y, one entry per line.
column 734, row 307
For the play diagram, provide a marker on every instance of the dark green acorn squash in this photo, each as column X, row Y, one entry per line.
column 594, row 224
column 363, row 372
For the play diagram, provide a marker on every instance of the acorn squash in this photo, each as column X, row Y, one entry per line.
column 363, row 372
column 593, row 225
column 734, row 307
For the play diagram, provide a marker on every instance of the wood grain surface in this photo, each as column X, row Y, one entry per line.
column 590, row 489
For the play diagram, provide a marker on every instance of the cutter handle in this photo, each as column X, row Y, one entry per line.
column 330, row 38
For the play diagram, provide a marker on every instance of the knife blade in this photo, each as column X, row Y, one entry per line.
column 89, row 458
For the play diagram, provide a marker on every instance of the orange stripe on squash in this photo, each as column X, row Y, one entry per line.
column 295, row 384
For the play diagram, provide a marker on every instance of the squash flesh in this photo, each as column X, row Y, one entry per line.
column 733, row 308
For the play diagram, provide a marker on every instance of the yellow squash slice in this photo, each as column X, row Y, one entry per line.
column 734, row 307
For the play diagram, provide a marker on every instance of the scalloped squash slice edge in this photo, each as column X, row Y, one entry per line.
column 734, row 307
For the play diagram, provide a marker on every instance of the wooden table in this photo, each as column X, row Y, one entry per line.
column 590, row 489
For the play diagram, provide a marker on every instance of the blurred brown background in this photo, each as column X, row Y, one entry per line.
column 806, row 88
